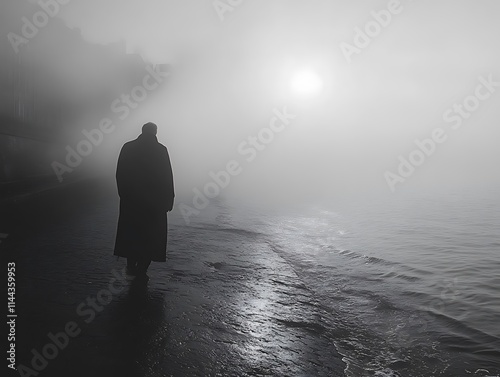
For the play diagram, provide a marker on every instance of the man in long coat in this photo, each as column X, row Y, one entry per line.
column 146, row 188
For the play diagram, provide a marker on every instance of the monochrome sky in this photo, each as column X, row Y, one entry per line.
column 228, row 75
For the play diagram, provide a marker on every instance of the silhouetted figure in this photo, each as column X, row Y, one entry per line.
column 146, row 189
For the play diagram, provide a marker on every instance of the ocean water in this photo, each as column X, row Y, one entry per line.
column 410, row 285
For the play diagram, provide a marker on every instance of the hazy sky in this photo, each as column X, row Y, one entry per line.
column 229, row 75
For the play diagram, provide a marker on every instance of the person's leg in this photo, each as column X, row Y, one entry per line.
column 142, row 266
column 131, row 266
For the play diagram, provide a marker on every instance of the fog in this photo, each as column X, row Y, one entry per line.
column 231, row 70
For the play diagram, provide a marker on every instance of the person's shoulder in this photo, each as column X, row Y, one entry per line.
column 128, row 148
column 130, row 143
column 162, row 147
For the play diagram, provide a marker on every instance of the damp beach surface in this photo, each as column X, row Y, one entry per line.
column 407, row 287
column 224, row 304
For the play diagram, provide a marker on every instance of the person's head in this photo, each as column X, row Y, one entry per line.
column 150, row 129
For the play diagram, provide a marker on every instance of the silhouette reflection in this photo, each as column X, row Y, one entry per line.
column 137, row 330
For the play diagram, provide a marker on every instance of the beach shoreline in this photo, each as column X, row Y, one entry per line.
column 224, row 304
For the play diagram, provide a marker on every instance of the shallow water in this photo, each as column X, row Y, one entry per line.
column 409, row 286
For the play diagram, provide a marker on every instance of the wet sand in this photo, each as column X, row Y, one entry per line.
column 224, row 304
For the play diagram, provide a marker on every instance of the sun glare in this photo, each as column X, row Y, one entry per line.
column 306, row 83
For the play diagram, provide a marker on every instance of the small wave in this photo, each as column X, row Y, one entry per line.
column 216, row 265
column 398, row 275
column 463, row 337
column 357, row 255
column 315, row 328
column 297, row 286
column 242, row 232
column 376, row 260
column 238, row 231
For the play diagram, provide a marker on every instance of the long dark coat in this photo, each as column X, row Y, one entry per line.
column 146, row 189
